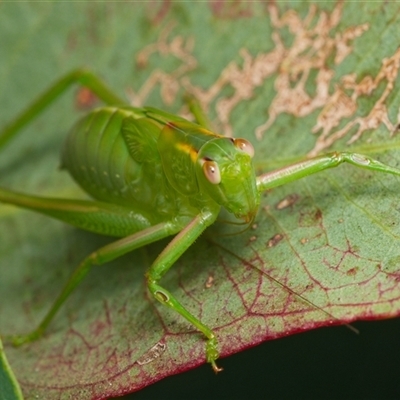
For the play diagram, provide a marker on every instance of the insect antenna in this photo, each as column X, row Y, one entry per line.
column 305, row 300
column 287, row 288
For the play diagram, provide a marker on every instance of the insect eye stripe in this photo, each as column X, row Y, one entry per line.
column 188, row 149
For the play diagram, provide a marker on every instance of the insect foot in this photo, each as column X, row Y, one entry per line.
column 168, row 299
column 19, row 340
column 212, row 354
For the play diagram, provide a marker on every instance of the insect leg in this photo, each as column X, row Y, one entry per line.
column 95, row 216
column 103, row 255
column 197, row 111
column 83, row 77
column 307, row 167
column 163, row 263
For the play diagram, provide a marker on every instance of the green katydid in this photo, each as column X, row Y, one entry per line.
column 153, row 175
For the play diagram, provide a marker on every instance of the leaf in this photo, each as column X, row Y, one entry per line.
column 331, row 238
column 10, row 389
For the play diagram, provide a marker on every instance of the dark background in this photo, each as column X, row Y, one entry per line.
column 328, row 363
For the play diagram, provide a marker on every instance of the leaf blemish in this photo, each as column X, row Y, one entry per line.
column 288, row 201
column 275, row 240
column 155, row 352
column 352, row 271
column 253, row 238
column 210, row 281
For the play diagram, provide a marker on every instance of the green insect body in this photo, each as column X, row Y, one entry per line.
column 136, row 159
column 152, row 175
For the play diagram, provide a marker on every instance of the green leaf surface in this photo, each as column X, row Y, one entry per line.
column 330, row 240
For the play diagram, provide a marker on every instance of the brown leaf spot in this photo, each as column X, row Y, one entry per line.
column 275, row 240
column 288, row 201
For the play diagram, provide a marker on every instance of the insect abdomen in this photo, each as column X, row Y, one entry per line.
column 97, row 157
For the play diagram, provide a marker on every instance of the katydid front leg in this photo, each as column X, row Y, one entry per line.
column 304, row 168
column 85, row 213
column 182, row 241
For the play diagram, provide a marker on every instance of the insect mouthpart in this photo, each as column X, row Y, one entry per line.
column 249, row 218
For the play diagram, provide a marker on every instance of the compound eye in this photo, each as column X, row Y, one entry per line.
column 245, row 146
column 211, row 171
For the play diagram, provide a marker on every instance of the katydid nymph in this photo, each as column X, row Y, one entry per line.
column 151, row 175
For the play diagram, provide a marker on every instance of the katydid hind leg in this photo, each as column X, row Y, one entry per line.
column 311, row 166
column 95, row 216
column 101, row 256
column 82, row 77
column 164, row 262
